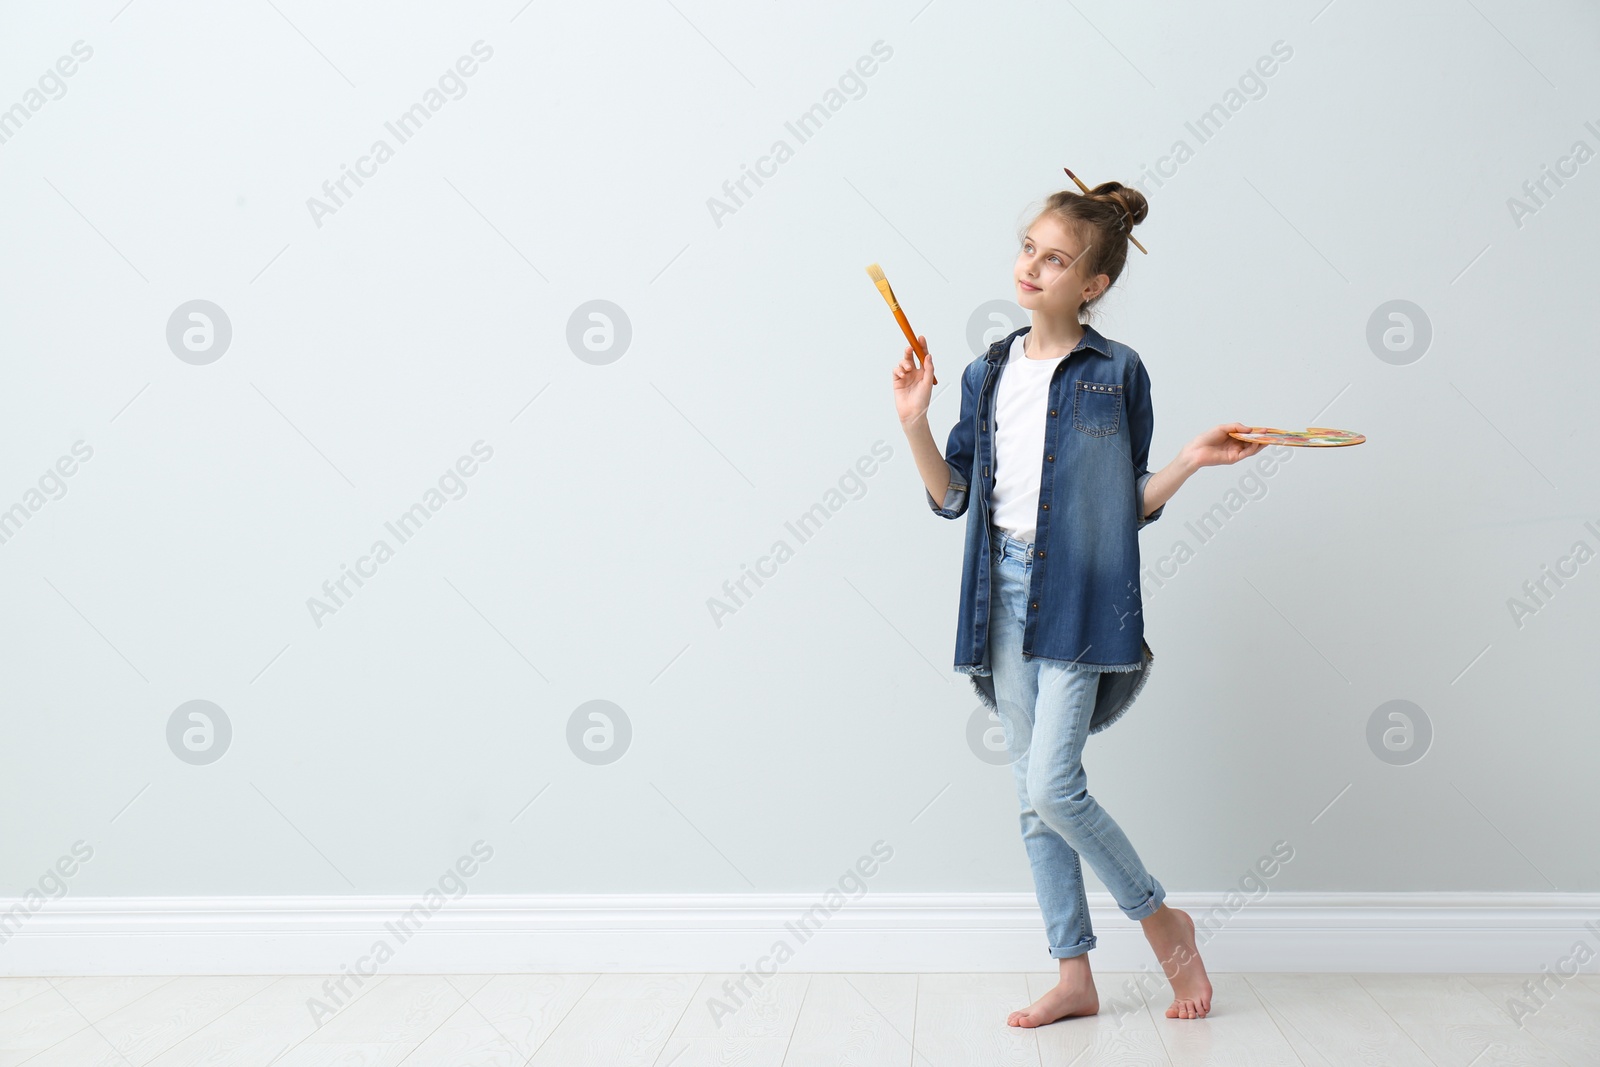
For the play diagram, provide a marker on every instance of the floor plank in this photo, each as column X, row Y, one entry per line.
column 622, row 1020
column 14, row 991
column 505, row 1022
column 855, row 1020
column 60, row 1007
column 256, row 1031
column 143, row 1029
column 1451, row 1025
column 1330, row 1019
column 961, row 1018
column 723, row 1027
column 383, row 1027
column 1566, row 1020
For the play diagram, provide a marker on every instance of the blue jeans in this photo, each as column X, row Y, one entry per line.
column 1044, row 709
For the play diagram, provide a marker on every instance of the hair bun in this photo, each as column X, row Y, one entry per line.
column 1130, row 202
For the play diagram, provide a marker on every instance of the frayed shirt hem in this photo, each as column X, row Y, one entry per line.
column 1112, row 701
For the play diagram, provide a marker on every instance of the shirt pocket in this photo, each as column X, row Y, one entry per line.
column 1097, row 408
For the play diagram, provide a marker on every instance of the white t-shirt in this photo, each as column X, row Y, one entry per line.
column 1019, row 419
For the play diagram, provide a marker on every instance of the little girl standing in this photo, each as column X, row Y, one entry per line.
column 1051, row 449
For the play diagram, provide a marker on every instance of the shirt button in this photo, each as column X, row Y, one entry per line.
column 1052, row 411
column 1035, row 603
column 1052, row 459
column 1040, row 554
column 1045, row 506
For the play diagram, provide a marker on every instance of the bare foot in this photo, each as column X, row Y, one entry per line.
column 1070, row 996
column 1170, row 932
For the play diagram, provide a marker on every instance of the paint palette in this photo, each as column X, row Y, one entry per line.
column 1311, row 436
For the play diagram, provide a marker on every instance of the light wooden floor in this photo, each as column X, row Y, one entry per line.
column 826, row 1020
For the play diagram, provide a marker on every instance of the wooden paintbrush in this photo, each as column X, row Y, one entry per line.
column 1085, row 189
column 875, row 272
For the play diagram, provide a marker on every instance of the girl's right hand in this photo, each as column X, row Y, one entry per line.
column 913, row 386
column 1217, row 446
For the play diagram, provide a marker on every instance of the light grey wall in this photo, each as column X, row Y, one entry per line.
column 373, row 346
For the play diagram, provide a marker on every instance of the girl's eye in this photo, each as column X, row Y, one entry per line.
column 1056, row 258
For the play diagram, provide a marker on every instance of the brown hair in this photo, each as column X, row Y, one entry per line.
column 1103, row 219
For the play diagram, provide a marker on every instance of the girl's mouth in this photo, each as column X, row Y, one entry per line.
column 1027, row 287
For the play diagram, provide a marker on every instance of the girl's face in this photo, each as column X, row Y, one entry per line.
column 1049, row 274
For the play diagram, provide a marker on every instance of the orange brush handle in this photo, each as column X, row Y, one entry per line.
column 905, row 327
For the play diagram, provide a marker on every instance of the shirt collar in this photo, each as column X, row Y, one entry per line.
column 1092, row 340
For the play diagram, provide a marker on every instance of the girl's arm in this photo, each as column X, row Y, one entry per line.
column 1212, row 448
column 947, row 477
column 1166, row 481
column 930, row 462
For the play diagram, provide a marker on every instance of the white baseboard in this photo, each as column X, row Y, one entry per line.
column 882, row 932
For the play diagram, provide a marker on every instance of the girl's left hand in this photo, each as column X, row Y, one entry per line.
column 1215, row 447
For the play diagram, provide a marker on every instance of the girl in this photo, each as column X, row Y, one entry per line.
column 1051, row 449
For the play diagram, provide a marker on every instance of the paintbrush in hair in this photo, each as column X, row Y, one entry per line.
column 1086, row 192
column 875, row 272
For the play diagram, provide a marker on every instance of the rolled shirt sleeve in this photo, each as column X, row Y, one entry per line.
column 1141, row 424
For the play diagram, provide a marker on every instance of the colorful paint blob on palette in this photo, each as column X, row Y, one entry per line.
column 1311, row 436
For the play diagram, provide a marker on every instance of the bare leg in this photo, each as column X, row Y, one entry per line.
column 1073, row 995
column 1170, row 932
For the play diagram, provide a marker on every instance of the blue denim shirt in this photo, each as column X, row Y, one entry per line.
column 1084, row 606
